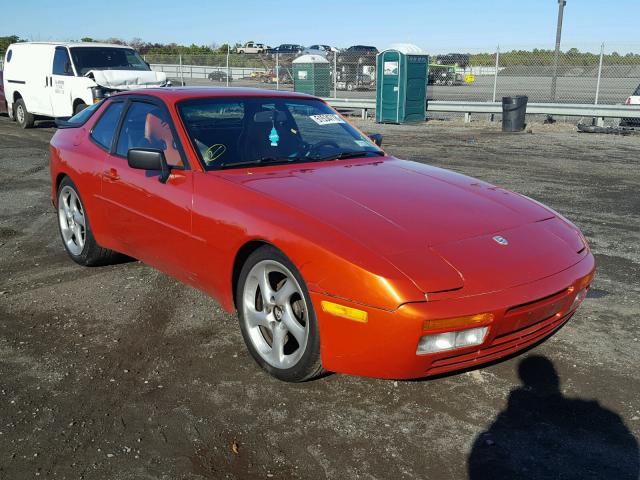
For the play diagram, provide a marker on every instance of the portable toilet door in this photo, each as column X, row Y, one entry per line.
column 401, row 90
column 417, row 76
column 388, row 86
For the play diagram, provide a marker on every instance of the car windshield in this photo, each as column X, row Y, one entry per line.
column 106, row 58
column 237, row 132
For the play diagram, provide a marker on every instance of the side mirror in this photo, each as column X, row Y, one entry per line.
column 149, row 159
column 376, row 138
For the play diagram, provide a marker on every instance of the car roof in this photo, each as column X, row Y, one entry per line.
column 176, row 94
column 74, row 44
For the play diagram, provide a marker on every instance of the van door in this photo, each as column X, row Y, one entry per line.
column 27, row 74
column 60, row 82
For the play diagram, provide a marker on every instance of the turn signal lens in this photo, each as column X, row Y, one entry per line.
column 580, row 296
column 345, row 312
column 455, row 322
column 450, row 340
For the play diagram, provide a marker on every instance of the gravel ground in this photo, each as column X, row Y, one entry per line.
column 120, row 372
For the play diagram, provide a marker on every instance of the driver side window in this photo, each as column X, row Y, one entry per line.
column 147, row 126
column 61, row 62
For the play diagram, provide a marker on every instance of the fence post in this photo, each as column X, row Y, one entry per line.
column 228, row 51
column 277, row 71
column 599, row 74
column 181, row 72
column 495, row 75
column 335, row 74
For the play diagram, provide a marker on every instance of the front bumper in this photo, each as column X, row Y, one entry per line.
column 385, row 346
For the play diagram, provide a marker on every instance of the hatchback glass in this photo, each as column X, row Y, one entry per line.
column 235, row 132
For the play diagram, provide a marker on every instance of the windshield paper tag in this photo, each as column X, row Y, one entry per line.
column 326, row 119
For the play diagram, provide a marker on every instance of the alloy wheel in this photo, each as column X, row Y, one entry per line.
column 275, row 314
column 72, row 219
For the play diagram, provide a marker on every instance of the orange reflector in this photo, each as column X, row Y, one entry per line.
column 585, row 281
column 345, row 312
column 466, row 321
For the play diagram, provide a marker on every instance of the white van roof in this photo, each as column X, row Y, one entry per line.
column 73, row 44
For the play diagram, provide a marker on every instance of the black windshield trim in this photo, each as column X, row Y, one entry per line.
column 279, row 98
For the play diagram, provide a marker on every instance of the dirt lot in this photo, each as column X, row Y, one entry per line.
column 120, row 372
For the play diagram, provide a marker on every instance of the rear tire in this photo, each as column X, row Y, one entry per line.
column 75, row 229
column 22, row 115
column 279, row 326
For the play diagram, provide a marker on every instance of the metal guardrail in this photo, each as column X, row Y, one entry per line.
column 559, row 109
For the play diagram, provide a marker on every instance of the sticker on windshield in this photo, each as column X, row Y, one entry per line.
column 362, row 143
column 326, row 119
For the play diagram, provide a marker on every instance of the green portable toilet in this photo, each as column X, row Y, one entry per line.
column 312, row 75
column 401, row 85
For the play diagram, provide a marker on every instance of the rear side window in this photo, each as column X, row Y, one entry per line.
column 61, row 62
column 105, row 127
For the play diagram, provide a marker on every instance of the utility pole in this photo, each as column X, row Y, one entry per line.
column 561, row 4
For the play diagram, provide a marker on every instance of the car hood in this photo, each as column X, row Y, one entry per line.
column 127, row 79
column 434, row 225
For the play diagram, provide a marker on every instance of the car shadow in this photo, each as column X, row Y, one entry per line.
column 544, row 435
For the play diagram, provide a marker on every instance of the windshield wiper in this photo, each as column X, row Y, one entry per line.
column 261, row 161
column 345, row 155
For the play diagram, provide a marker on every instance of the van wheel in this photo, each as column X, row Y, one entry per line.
column 79, row 107
column 22, row 115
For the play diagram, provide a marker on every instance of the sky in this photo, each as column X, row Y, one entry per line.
column 436, row 26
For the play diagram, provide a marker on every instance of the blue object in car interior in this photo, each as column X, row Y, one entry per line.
column 273, row 136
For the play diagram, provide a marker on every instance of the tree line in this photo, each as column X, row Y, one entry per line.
column 514, row 57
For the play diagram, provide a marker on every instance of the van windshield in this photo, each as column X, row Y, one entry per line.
column 106, row 58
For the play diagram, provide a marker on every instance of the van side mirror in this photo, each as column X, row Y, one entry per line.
column 376, row 138
column 149, row 159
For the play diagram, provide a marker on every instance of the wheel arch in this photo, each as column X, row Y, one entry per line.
column 61, row 176
column 241, row 257
column 76, row 102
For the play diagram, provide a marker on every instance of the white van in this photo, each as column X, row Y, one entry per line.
column 60, row 79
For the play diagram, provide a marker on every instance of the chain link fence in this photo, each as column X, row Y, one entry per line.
column 604, row 76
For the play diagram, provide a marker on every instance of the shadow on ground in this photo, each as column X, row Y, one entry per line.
column 543, row 434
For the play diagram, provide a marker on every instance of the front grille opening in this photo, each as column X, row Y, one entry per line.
column 528, row 305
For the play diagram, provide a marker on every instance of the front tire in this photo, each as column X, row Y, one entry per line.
column 80, row 106
column 277, row 318
column 75, row 229
column 22, row 115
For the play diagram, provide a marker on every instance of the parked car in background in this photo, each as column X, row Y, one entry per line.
column 456, row 59
column 444, row 75
column 287, row 48
column 3, row 101
column 634, row 98
column 219, row 76
column 347, row 80
column 320, row 50
column 360, row 50
column 53, row 79
column 252, row 47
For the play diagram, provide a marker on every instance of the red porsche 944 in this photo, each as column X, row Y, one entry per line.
column 335, row 255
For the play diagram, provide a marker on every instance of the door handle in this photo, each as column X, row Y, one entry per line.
column 111, row 175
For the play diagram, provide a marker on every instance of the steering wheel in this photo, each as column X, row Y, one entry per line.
column 310, row 149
